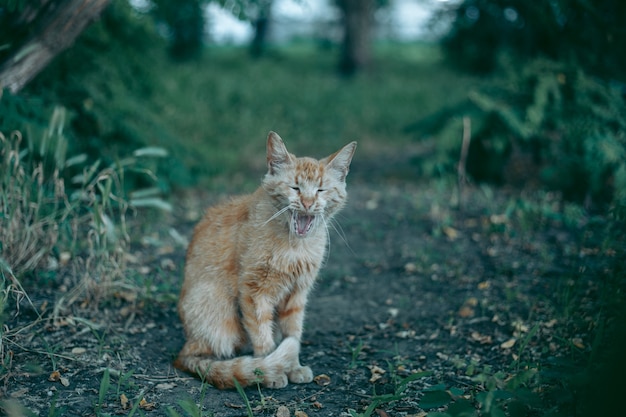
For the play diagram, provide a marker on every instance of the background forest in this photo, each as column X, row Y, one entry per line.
column 112, row 112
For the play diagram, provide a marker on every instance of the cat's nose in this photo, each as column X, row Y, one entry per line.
column 307, row 202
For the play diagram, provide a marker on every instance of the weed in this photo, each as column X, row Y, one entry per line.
column 523, row 345
column 355, row 355
column 398, row 394
column 244, row 397
column 105, row 385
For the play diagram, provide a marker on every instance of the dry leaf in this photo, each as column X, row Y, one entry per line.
column 145, row 405
column 484, row 285
column 508, row 344
column 78, row 351
column 165, row 385
column 466, row 312
column 55, row 376
column 317, row 404
column 299, row 413
column 124, row 402
column 377, row 372
column 480, row 338
column 322, row 380
column 382, row 413
column 451, row 232
column 578, row 342
column 550, row 324
column 64, row 381
column 282, row 412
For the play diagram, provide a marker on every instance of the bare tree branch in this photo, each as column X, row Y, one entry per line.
column 53, row 27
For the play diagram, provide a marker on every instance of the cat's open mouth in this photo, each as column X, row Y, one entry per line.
column 302, row 223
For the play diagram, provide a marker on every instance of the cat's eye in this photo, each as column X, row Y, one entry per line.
column 321, row 190
column 295, row 188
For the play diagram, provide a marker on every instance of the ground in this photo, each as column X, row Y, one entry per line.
column 462, row 293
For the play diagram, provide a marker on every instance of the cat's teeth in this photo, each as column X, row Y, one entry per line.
column 302, row 223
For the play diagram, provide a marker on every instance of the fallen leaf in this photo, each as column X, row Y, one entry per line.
column 54, row 376
column 578, row 342
column 322, row 380
column 78, row 351
column 480, row 338
column 317, row 404
column 64, row 381
column 382, row 413
column 484, row 285
column 451, row 232
column 550, row 323
column 508, row 344
column 377, row 372
column 124, row 402
column 165, row 385
column 404, row 334
column 283, row 412
column 466, row 312
column 299, row 413
column 145, row 405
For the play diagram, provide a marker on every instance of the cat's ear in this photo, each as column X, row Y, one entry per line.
column 339, row 162
column 277, row 154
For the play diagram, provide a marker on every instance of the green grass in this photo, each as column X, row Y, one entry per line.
column 213, row 114
column 228, row 104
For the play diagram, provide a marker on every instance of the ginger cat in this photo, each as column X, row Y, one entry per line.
column 249, row 269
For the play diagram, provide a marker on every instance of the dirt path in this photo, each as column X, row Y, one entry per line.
column 448, row 298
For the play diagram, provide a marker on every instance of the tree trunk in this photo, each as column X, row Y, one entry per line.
column 356, row 48
column 52, row 27
column 261, row 28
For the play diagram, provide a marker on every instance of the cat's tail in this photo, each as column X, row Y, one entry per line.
column 271, row 371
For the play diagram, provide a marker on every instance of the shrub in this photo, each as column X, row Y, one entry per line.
column 50, row 217
column 549, row 124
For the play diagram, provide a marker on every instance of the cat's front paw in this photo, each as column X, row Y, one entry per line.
column 275, row 381
column 300, row 375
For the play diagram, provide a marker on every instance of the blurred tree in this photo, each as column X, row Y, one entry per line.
column 588, row 33
column 261, row 22
column 184, row 20
column 33, row 32
column 257, row 12
column 358, row 18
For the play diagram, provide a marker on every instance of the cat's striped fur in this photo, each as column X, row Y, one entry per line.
column 249, row 269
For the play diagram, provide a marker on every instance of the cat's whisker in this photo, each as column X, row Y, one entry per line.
column 275, row 215
column 327, row 237
column 339, row 230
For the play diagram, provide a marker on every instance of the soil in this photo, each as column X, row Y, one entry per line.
column 417, row 280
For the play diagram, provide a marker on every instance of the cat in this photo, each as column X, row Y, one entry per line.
column 249, row 269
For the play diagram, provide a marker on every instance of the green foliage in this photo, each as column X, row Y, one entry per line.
column 577, row 31
column 398, row 394
column 108, row 89
column 184, row 21
column 547, row 118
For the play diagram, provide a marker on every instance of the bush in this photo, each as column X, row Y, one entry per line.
column 53, row 219
column 586, row 33
column 549, row 124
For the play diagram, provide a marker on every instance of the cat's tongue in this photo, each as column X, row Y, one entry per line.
column 303, row 223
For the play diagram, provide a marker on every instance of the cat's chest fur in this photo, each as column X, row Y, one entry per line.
column 271, row 246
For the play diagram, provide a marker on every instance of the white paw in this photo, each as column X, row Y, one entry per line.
column 301, row 375
column 275, row 381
